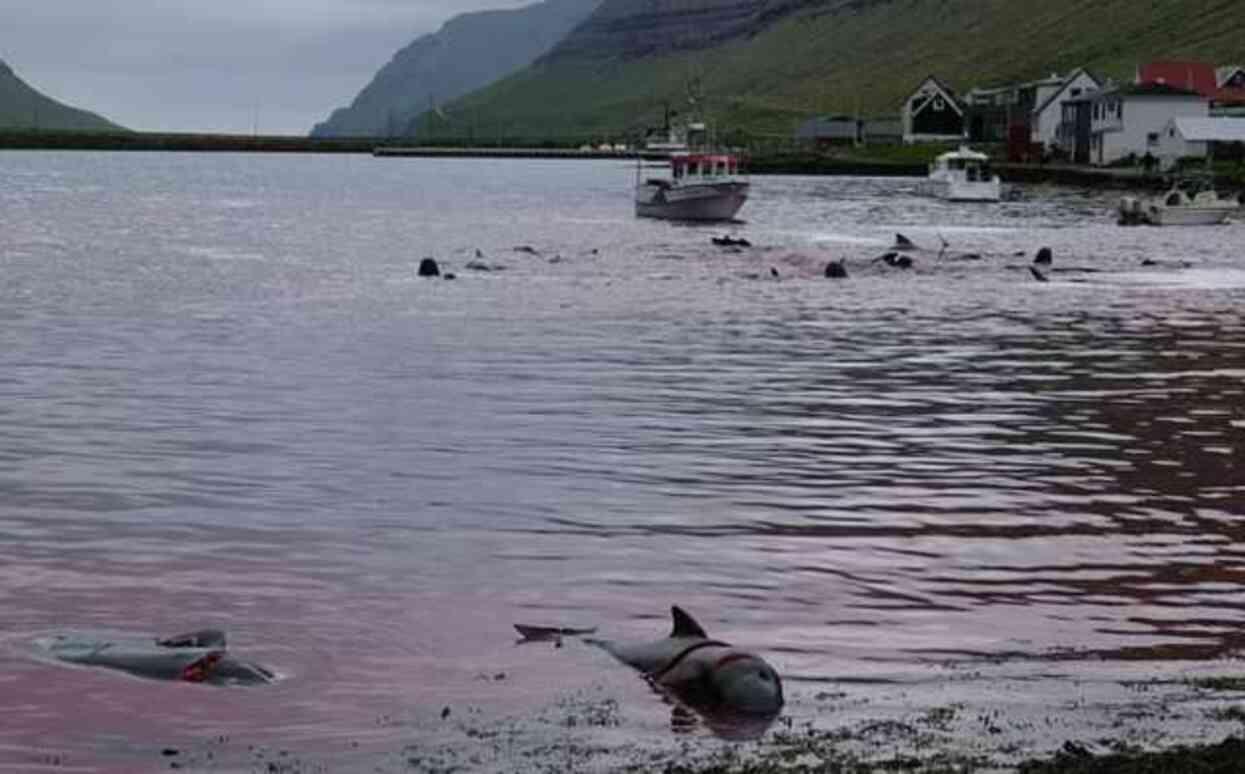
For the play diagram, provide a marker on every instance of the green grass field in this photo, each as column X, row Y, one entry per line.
column 862, row 62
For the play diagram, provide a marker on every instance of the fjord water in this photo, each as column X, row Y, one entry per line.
column 226, row 400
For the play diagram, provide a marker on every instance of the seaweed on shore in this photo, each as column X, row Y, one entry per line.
column 1227, row 757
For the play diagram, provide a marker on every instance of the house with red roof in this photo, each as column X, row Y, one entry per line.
column 1222, row 86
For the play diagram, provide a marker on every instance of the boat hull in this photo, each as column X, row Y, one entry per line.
column 1189, row 216
column 956, row 191
column 701, row 201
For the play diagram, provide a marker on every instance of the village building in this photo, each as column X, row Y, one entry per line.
column 1004, row 113
column 1200, row 138
column 1127, row 121
column 1075, row 130
column 1046, row 116
column 830, row 130
column 933, row 113
column 881, row 131
column 1231, row 77
column 1224, row 86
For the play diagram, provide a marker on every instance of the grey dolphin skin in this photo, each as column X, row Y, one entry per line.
column 195, row 657
column 734, row 690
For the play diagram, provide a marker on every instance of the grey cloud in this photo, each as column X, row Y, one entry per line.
column 177, row 66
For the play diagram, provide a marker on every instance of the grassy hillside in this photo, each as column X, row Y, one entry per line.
column 21, row 107
column 863, row 58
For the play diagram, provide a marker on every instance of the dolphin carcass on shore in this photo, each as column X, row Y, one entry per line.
column 736, row 692
column 195, row 657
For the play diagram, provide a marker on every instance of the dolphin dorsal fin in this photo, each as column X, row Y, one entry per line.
column 684, row 624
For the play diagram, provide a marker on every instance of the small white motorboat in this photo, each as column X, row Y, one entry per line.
column 1191, row 202
column 962, row 175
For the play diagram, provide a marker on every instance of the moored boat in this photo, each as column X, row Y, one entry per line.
column 962, row 175
column 1187, row 203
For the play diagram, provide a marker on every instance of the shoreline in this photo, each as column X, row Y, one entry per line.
column 785, row 163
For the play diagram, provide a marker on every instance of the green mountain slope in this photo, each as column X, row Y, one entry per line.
column 21, row 107
column 472, row 50
column 763, row 65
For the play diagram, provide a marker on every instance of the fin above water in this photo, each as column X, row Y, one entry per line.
column 684, row 624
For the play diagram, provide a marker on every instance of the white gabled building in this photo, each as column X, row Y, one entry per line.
column 1129, row 120
column 1194, row 137
column 1048, row 114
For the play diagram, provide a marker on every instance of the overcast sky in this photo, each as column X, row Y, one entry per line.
column 213, row 65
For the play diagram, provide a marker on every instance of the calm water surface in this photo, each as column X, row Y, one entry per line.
column 225, row 399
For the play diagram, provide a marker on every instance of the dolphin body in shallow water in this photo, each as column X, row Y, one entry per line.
column 713, row 677
column 734, row 691
column 195, row 657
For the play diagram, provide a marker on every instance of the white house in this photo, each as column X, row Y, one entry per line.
column 933, row 114
column 1192, row 137
column 1129, row 120
column 1048, row 114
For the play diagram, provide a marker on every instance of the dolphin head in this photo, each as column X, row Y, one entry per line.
column 747, row 684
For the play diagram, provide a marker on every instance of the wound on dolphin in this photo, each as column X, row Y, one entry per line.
column 195, row 657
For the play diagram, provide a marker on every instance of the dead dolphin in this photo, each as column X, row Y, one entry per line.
column 196, row 657
column 710, row 676
column 903, row 243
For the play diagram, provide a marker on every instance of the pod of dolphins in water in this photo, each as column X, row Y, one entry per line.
column 904, row 254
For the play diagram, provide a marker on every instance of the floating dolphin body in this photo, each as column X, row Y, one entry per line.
column 195, row 657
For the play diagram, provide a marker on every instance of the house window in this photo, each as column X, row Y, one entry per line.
column 1076, row 93
column 1152, row 139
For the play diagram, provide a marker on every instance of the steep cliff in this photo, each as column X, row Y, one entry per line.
column 470, row 51
column 627, row 29
column 22, row 107
column 765, row 65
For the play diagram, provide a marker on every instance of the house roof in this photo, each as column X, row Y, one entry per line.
column 1067, row 82
column 946, row 90
column 1211, row 129
column 1146, row 90
column 1193, row 76
column 1223, row 74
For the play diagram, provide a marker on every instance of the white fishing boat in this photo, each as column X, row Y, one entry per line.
column 699, row 183
column 962, row 175
column 699, row 186
column 1190, row 202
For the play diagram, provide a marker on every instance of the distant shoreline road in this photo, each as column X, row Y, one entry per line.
column 763, row 163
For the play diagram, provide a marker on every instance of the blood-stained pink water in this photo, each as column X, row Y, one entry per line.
column 226, row 400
